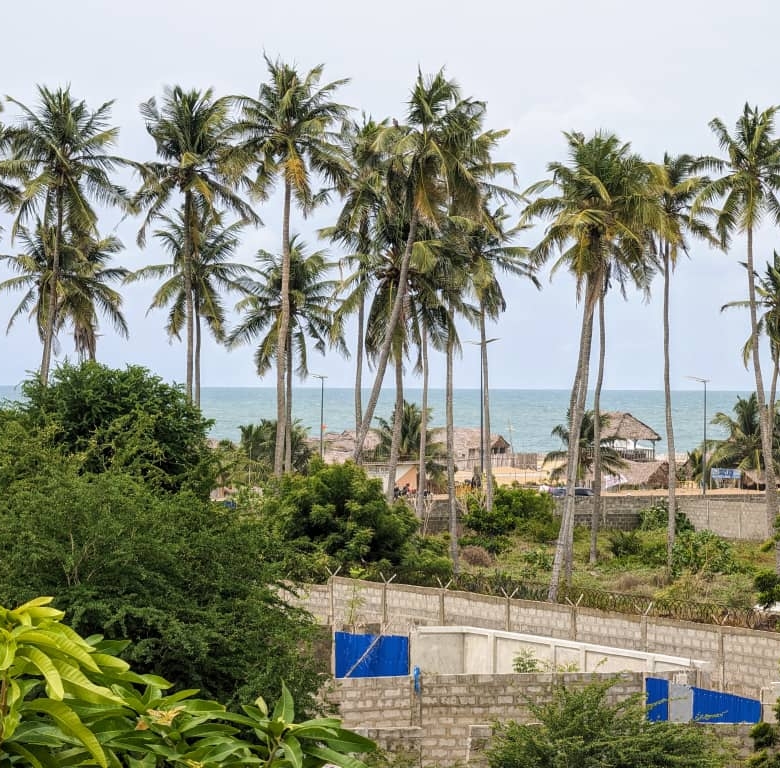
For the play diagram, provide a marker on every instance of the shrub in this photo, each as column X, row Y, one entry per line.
column 476, row 556
column 657, row 516
column 493, row 544
column 513, row 510
column 525, row 662
column 624, row 543
column 702, row 552
column 539, row 559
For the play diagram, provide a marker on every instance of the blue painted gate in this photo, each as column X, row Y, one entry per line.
column 371, row 655
column 667, row 702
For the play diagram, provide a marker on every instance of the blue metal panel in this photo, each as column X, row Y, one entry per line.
column 657, row 698
column 717, row 707
column 371, row 655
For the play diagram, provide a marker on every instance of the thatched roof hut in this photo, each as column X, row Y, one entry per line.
column 623, row 432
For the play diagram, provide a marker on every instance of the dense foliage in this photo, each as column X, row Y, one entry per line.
column 67, row 700
column 189, row 582
column 128, row 420
column 521, row 511
column 338, row 517
column 583, row 727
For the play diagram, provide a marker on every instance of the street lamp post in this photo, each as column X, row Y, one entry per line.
column 322, row 378
column 704, row 444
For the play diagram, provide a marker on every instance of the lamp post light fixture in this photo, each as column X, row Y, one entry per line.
column 704, row 444
column 481, row 344
column 322, row 378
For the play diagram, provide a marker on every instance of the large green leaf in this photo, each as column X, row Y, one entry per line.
column 44, row 664
column 67, row 719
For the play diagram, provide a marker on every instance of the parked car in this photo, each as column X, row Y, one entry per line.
column 561, row 491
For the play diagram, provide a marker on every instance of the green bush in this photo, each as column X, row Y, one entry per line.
column 493, row 544
column 702, row 552
column 624, row 543
column 767, row 583
column 657, row 516
column 514, row 510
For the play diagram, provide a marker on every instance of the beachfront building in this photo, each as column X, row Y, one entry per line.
column 628, row 436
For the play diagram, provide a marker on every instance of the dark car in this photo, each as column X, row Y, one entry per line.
column 561, row 491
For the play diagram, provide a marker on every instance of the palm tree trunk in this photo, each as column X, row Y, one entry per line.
column 422, row 478
column 197, row 353
column 486, row 440
column 763, row 412
column 387, row 342
column 595, row 517
column 51, row 319
column 281, row 344
column 398, row 416
column 189, row 304
column 576, row 410
column 671, row 528
column 361, row 321
column 453, row 501
column 288, row 411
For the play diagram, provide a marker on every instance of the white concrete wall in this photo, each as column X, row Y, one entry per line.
column 472, row 650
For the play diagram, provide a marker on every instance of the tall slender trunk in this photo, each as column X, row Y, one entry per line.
column 197, row 352
column 773, row 386
column 422, row 477
column 576, row 409
column 671, row 527
column 189, row 248
column 281, row 344
column 486, row 439
column 398, row 416
column 595, row 517
column 288, row 422
column 763, row 411
column 51, row 318
column 387, row 342
column 361, row 320
column 453, row 501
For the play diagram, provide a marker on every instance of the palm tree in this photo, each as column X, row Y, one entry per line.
column 82, row 291
column 436, row 168
column 258, row 441
column 601, row 216
column 411, row 425
column 311, row 297
column 192, row 133
column 679, row 188
column 749, row 189
column 354, row 229
column 741, row 449
column 490, row 252
column 610, row 459
column 768, row 292
column 287, row 132
column 211, row 274
column 58, row 153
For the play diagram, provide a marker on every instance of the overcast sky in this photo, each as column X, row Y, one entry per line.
column 654, row 73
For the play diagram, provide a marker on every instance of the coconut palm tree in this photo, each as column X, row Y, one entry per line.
column 679, row 187
column 287, row 132
column 610, row 459
column 311, row 298
column 748, row 189
column 211, row 275
column 768, row 293
column 490, row 252
column 58, row 153
column 354, row 230
column 83, row 289
column 601, row 215
column 741, row 449
column 438, row 164
column 192, row 131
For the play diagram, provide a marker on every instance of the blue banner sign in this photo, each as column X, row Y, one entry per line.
column 718, row 473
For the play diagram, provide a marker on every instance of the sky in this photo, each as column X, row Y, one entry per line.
column 653, row 73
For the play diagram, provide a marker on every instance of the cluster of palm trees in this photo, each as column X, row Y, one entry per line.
column 424, row 221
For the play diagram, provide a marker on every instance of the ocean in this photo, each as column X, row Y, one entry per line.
column 524, row 417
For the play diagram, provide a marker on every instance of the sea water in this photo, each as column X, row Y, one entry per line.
column 524, row 417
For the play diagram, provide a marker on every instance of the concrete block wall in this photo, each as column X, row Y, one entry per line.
column 743, row 660
column 441, row 718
